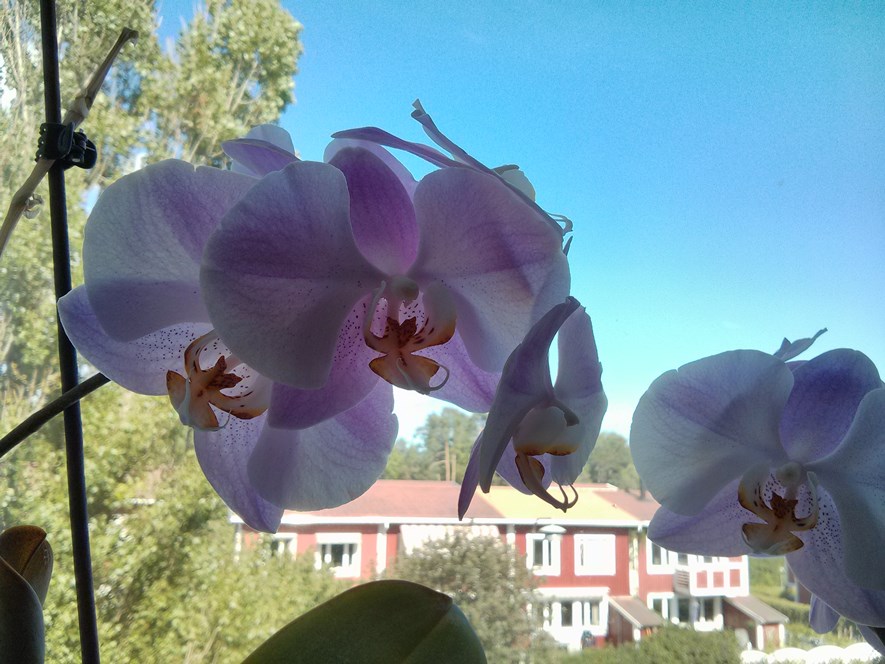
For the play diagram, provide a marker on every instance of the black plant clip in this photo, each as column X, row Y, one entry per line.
column 63, row 144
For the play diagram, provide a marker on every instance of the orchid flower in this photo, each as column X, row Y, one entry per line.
column 140, row 319
column 749, row 454
column 537, row 432
column 327, row 277
column 509, row 174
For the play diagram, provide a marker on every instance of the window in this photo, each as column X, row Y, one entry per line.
column 340, row 551
column 658, row 555
column 566, row 615
column 680, row 610
column 595, row 554
column 590, row 610
column 542, row 553
column 707, row 609
column 657, row 605
column 338, row 555
column 284, row 543
column 581, row 614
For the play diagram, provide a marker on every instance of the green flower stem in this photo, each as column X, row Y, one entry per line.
column 33, row 423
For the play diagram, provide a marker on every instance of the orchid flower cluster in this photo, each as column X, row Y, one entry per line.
column 278, row 303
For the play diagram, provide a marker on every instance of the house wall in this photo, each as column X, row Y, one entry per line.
column 618, row 583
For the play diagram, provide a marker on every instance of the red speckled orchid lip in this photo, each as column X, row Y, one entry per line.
column 215, row 381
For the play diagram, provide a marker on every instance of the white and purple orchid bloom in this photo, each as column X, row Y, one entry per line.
column 510, row 174
column 328, row 277
column 749, row 454
column 140, row 319
column 538, row 432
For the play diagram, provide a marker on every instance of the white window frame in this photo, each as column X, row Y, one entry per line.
column 667, row 564
column 550, row 567
column 580, row 610
column 602, row 549
column 351, row 569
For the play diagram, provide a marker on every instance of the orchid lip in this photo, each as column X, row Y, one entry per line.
column 401, row 339
column 776, row 535
column 194, row 394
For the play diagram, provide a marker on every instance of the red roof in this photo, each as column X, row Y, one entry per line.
column 643, row 508
column 428, row 499
column 411, row 498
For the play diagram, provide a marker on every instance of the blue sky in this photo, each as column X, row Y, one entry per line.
column 724, row 164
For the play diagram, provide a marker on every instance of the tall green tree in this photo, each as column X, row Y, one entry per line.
column 168, row 588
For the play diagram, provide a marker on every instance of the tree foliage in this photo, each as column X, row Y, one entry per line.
column 441, row 451
column 167, row 585
column 489, row 582
column 611, row 462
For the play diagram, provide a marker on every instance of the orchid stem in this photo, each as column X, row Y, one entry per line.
column 23, row 199
column 33, row 423
column 67, row 356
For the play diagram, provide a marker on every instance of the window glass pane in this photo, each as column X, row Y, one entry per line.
column 683, row 609
column 591, row 613
column 657, row 555
column 566, row 614
column 657, row 605
column 708, row 609
column 538, row 552
column 682, row 559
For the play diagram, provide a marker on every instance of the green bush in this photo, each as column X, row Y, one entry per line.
column 674, row 645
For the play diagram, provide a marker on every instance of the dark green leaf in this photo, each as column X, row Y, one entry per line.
column 385, row 622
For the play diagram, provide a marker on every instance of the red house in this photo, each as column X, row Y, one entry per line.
column 601, row 579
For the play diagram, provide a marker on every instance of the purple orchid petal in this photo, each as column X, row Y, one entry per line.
column 822, row 618
column 468, row 386
column 820, row 567
column 853, row 475
column 266, row 148
column 402, row 173
column 330, row 463
column 875, row 637
column 470, row 481
column 223, row 455
column 823, row 402
column 381, row 137
column 579, row 386
column 525, row 382
column 714, row 531
column 282, row 273
column 381, row 210
column 138, row 365
column 502, row 263
column 698, row 428
column 143, row 244
column 349, row 381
